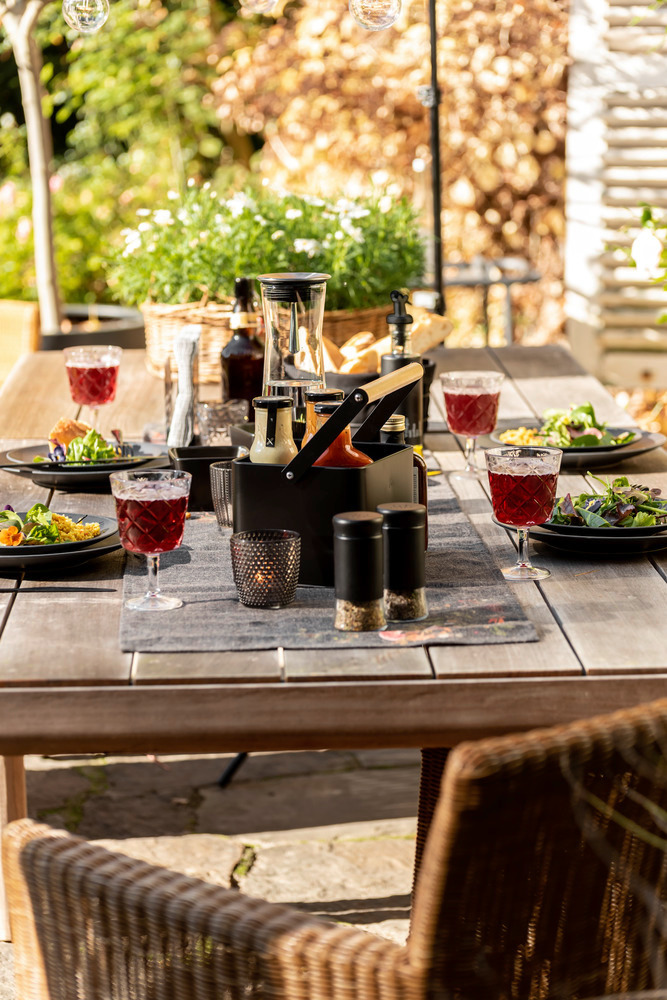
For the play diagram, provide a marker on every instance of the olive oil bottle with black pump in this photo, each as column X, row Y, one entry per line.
column 401, row 354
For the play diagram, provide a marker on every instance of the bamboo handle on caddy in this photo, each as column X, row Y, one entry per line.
column 382, row 386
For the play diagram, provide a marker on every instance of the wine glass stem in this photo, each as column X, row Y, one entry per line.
column 470, row 452
column 523, row 559
column 96, row 417
column 153, row 569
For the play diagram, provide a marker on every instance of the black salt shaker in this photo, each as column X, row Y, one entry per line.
column 358, row 571
column 404, row 575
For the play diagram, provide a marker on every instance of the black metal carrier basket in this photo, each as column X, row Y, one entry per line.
column 303, row 498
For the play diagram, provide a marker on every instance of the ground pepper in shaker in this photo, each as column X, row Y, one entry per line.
column 404, row 574
column 358, row 571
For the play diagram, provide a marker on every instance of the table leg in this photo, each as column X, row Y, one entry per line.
column 433, row 764
column 13, row 805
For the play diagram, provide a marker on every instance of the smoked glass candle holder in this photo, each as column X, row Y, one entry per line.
column 266, row 566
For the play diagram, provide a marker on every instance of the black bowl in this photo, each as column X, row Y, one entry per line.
column 197, row 459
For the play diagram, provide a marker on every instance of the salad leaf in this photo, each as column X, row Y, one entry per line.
column 578, row 427
column 622, row 504
column 90, row 448
column 8, row 517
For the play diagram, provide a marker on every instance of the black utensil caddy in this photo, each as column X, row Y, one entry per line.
column 304, row 498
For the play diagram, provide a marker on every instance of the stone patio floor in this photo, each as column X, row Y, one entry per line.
column 329, row 832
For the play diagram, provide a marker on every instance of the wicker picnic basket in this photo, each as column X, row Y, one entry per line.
column 341, row 324
column 162, row 323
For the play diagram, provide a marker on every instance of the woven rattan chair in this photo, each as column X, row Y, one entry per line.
column 543, row 877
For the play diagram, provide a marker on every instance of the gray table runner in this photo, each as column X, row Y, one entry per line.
column 469, row 601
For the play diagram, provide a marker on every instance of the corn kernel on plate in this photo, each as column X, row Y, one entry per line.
column 75, row 532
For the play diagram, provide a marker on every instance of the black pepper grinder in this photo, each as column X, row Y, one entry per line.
column 358, row 571
column 400, row 328
column 404, row 573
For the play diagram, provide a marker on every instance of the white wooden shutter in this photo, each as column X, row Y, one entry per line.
column 616, row 158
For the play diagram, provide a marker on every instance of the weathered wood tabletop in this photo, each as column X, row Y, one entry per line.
column 65, row 686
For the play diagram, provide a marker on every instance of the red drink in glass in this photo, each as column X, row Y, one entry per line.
column 92, row 385
column 151, row 526
column 522, row 500
column 471, row 413
column 523, row 491
column 151, row 507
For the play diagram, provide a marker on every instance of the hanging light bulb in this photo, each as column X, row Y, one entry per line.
column 86, row 16
column 374, row 15
column 258, row 6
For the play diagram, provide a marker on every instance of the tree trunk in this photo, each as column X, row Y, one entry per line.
column 28, row 61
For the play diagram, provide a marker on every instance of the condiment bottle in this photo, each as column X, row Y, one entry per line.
column 404, row 569
column 273, row 443
column 401, row 354
column 242, row 358
column 318, row 396
column 341, row 453
column 393, row 432
column 358, row 571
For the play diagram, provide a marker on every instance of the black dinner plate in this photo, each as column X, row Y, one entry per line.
column 597, row 542
column 61, row 557
column 612, row 530
column 605, row 543
column 87, row 477
column 605, row 457
column 615, row 431
column 108, row 527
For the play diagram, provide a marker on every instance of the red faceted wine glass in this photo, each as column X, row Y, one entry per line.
column 471, row 404
column 150, row 507
column 523, row 493
column 93, row 374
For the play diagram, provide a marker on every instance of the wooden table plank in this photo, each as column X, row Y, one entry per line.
column 552, row 655
column 526, row 362
column 345, row 664
column 540, row 392
column 139, row 397
column 340, row 715
column 63, row 628
column 207, row 668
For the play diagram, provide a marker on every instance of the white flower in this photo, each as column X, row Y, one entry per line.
column 163, row 217
column 237, row 203
column 352, row 230
column 144, row 227
column 172, row 195
column 646, row 251
column 132, row 236
column 191, row 182
column 312, row 200
column 260, row 219
column 207, row 186
column 339, row 234
column 385, row 203
column 277, row 234
column 293, row 213
column 310, row 247
column 143, row 211
column 350, row 208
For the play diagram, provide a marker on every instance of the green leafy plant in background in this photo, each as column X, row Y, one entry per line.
column 131, row 116
column 193, row 246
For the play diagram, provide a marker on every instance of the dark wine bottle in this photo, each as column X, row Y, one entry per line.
column 242, row 358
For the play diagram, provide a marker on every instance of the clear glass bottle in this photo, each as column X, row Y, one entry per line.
column 242, row 357
column 273, row 443
column 318, row 396
column 341, row 453
column 358, row 571
column 293, row 305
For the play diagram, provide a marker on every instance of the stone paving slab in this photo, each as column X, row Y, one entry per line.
column 330, row 832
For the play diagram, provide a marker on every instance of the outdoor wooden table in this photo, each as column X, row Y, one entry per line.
column 66, row 687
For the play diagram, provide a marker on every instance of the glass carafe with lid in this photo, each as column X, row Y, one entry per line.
column 293, row 305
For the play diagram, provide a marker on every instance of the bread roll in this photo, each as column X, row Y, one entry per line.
column 66, row 430
column 355, row 345
column 367, row 362
column 333, row 359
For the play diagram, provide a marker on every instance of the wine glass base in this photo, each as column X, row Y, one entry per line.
column 469, row 474
column 525, row 573
column 154, row 602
